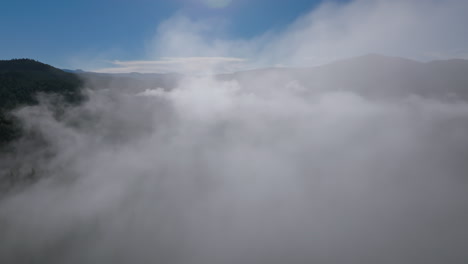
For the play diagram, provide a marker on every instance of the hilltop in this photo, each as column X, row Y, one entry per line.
column 21, row 80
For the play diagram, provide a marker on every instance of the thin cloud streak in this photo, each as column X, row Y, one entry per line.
column 176, row 65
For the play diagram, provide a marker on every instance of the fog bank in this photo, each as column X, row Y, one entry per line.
column 211, row 172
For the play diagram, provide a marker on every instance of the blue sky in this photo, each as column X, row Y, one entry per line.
column 58, row 32
column 227, row 35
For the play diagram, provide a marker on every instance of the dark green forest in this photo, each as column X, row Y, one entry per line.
column 21, row 81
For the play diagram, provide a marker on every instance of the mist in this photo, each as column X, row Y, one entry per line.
column 273, row 168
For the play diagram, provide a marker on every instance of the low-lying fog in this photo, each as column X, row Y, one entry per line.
column 213, row 172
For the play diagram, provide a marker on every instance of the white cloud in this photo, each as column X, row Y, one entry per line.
column 400, row 28
column 422, row 30
column 333, row 31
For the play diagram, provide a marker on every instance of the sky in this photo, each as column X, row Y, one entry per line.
column 66, row 33
column 200, row 36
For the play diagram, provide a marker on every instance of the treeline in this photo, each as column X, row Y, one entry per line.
column 21, row 80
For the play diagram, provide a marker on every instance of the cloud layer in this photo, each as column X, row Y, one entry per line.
column 213, row 172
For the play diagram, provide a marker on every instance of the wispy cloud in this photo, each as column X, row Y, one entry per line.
column 422, row 30
column 330, row 32
column 194, row 65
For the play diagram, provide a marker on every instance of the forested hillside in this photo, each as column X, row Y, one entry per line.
column 21, row 80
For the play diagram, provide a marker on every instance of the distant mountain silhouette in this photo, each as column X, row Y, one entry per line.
column 371, row 75
column 21, row 80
